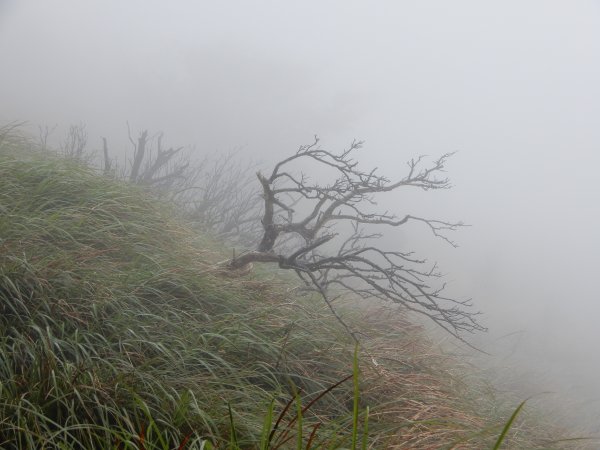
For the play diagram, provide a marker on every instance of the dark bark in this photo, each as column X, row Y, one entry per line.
column 329, row 262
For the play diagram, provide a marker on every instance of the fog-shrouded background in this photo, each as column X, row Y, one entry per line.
column 514, row 86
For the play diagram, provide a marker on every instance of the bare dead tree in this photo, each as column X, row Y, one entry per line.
column 313, row 215
column 44, row 134
column 107, row 162
column 222, row 197
column 75, row 142
column 160, row 168
column 216, row 193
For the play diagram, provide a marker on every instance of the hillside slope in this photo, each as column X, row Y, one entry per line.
column 118, row 330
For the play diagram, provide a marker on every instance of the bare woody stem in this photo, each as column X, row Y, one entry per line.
column 325, row 260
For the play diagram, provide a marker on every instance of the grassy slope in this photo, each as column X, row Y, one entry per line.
column 118, row 331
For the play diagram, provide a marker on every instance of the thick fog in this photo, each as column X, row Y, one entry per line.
column 514, row 86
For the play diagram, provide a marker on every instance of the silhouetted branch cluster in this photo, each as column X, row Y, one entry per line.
column 223, row 197
column 74, row 143
column 217, row 193
column 312, row 217
column 324, row 232
column 161, row 168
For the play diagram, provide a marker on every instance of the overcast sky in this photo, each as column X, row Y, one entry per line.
column 513, row 85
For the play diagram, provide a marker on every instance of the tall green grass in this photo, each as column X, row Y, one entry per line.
column 118, row 330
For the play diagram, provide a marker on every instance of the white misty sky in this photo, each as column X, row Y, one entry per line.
column 513, row 85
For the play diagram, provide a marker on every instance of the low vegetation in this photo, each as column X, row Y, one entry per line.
column 119, row 329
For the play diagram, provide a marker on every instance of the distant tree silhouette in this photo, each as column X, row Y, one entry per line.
column 326, row 233
column 216, row 193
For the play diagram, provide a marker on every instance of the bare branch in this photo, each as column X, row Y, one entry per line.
column 74, row 144
column 107, row 161
column 44, row 134
column 354, row 263
column 139, row 153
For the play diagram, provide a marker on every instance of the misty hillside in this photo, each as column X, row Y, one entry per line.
column 509, row 88
column 119, row 329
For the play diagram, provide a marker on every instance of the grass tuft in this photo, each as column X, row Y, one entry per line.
column 118, row 331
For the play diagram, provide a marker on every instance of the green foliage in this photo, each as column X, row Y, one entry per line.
column 119, row 330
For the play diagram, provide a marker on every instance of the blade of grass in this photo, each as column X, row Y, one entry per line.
column 266, row 429
column 356, row 398
column 365, row 436
column 299, row 416
column 508, row 425
column 313, row 435
column 279, row 419
column 232, row 431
